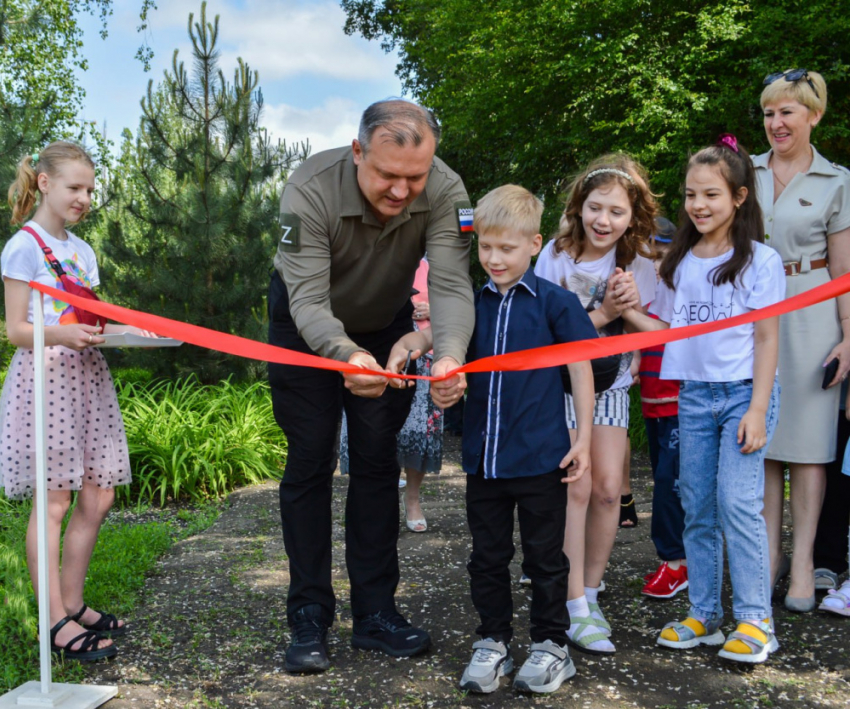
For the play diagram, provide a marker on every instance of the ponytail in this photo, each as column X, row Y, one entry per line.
column 24, row 192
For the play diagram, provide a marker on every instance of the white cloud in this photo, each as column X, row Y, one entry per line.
column 280, row 38
column 331, row 125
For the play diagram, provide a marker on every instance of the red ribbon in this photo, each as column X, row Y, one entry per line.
column 538, row 358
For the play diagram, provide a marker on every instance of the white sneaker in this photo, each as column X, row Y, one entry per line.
column 546, row 668
column 490, row 661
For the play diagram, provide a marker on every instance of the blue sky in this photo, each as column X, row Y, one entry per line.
column 316, row 81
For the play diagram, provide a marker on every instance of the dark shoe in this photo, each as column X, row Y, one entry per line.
column 308, row 648
column 628, row 513
column 390, row 633
column 106, row 625
column 87, row 650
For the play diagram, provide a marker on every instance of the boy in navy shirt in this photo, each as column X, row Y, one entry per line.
column 516, row 445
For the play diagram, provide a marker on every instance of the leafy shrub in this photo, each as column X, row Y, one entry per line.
column 637, row 429
column 198, row 441
column 132, row 375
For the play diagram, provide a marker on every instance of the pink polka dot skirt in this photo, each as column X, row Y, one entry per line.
column 85, row 432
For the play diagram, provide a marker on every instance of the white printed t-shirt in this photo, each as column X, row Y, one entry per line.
column 589, row 281
column 23, row 260
column 727, row 355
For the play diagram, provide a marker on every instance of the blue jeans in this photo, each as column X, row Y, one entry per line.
column 723, row 496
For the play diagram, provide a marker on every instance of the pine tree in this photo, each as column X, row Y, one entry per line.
column 193, row 220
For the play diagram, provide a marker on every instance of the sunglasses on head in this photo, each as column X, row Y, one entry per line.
column 792, row 75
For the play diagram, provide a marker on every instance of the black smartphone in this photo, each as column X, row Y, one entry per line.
column 829, row 372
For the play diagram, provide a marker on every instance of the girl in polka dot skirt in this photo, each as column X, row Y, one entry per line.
column 86, row 443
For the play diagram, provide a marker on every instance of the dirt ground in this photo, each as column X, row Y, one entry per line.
column 211, row 631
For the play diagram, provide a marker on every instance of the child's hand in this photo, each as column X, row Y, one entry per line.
column 78, row 337
column 626, row 294
column 138, row 331
column 620, row 294
column 576, row 462
column 612, row 304
column 752, row 431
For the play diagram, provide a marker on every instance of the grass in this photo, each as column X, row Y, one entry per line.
column 187, row 441
column 198, row 441
column 125, row 552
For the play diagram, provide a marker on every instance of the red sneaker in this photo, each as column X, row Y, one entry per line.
column 666, row 582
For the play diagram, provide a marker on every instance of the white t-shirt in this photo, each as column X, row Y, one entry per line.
column 23, row 260
column 727, row 355
column 589, row 281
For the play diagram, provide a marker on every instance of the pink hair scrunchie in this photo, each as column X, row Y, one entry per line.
column 729, row 140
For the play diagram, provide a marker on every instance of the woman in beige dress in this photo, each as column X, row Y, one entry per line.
column 806, row 204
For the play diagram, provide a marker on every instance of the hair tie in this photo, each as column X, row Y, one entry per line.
column 729, row 140
column 608, row 170
column 34, row 157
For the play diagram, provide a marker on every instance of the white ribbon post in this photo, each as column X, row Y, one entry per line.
column 45, row 693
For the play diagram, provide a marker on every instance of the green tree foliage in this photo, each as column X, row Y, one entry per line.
column 40, row 49
column 192, row 224
column 528, row 91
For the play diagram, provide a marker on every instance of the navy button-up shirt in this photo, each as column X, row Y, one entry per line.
column 515, row 422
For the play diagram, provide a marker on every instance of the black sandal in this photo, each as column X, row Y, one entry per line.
column 106, row 625
column 88, row 650
column 628, row 513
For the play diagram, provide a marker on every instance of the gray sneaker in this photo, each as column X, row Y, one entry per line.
column 825, row 580
column 490, row 661
column 546, row 668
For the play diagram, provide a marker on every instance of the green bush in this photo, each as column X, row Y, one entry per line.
column 637, row 429
column 132, row 375
column 198, row 441
column 7, row 350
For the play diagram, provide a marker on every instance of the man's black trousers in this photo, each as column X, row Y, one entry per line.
column 307, row 406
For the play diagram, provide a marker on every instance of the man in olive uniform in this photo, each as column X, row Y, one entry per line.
column 355, row 224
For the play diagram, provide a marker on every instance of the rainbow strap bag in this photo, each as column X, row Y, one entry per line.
column 84, row 317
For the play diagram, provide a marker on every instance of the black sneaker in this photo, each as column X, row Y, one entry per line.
column 308, row 648
column 390, row 633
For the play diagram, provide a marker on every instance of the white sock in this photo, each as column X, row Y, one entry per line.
column 578, row 607
column 595, row 612
column 582, row 627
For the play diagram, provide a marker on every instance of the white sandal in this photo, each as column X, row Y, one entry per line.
column 837, row 601
column 414, row 525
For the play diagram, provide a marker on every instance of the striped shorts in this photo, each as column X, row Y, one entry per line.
column 611, row 409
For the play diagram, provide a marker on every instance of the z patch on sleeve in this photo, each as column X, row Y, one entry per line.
column 290, row 232
column 464, row 216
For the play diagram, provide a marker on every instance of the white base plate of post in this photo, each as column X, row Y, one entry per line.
column 61, row 696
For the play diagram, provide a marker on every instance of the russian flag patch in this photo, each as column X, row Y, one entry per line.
column 464, row 217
